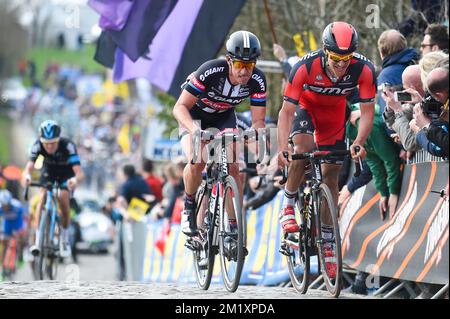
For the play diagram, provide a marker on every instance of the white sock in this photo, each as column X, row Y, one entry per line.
column 289, row 198
column 36, row 239
column 65, row 234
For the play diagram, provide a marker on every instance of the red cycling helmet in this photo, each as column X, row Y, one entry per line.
column 340, row 37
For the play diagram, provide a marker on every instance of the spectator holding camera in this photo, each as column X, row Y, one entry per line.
column 397, row 115
column 425, row 113
column 437, row 131
column 396, row 56
column 403, row 114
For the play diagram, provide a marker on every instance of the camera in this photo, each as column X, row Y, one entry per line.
column 402, row 96
column 430, row 106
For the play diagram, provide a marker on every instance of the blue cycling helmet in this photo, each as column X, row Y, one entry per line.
column 5, row 197
column 49, row 131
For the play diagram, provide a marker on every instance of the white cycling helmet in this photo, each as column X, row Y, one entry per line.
column 5, row 197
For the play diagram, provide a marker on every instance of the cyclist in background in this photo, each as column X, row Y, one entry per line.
column 314, row 113
column 208, row 100
column 11, row 212
column 61, row 164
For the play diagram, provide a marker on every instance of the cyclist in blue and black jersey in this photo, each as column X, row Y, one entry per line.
column 61, row 164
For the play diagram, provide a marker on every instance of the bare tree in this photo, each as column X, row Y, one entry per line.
column 292, row 17
column 13, row 38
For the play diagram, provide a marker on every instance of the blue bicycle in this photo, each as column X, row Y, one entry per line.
column 46, row 262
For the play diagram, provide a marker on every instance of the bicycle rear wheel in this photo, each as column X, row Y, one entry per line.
column 203, row 254
column 231, row 245
column 326, row 202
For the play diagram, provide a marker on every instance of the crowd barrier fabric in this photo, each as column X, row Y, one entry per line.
column 412, row 246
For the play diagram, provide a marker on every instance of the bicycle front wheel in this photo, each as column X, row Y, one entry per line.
column 44, row 243
column 332, row 279
column 203, row 255
column 231, row 243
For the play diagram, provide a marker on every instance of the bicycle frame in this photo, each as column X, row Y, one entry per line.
column 215, row 188
column 51, row 207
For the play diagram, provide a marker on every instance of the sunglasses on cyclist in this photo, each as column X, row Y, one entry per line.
column 338, row 58
column 239, row 64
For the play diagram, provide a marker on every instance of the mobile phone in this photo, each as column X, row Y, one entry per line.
column 402, row 96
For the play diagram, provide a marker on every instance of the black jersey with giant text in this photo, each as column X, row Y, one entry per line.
column 211, row 84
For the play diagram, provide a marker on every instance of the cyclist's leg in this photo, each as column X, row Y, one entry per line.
column 34, row 237
column 303, row 141
column 64, row 204
column 192, row 177
column 330, row 174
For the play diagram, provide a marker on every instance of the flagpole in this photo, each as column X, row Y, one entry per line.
column 269, row 18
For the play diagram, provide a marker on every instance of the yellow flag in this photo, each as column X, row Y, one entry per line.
column 122, row 90
column 123, row 138
column 109, row 90
column 137, row 209
column 299, row 44
column 98, row 99
column 312, row 41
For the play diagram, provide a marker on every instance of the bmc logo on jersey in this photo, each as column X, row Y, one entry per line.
column 211, row 71
column 197, row 83
column 331, row 90
column 309, row 55
column 216, row 105
column 261, row 95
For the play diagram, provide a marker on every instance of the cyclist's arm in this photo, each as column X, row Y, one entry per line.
column 181, row 111
column 29, row 167
column 292, row 94
column 367, row 90
column 365, row 123
column 79, row 175
column 26, row 175
column 258, row 117
column 258, row 98
column 285, row 118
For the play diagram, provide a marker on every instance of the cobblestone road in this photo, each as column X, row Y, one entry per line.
column 136, row 290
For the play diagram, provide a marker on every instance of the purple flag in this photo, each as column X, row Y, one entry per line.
column 165, row 51
column 144, row 21
column 113, row 13
column 192, row 34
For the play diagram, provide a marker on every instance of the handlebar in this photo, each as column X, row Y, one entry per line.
column 48, row 186
column 206, row 136
column 318, row 155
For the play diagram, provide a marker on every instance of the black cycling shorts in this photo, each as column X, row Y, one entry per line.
column 61, row 179
column 218, row 121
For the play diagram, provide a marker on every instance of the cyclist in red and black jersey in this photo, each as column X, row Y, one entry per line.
column 313, row 114
column 208, row 100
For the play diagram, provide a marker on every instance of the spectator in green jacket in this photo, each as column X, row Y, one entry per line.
column 382, row 158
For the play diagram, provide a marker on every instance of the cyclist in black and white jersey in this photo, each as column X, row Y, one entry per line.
column 208, row 100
